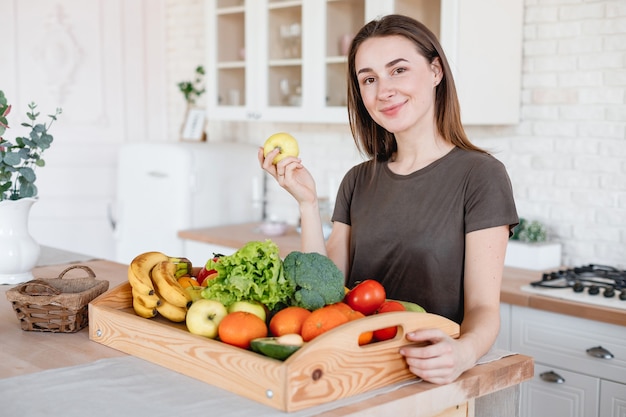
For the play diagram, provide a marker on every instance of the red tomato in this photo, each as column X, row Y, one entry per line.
column 388, row 332
column 366, row 296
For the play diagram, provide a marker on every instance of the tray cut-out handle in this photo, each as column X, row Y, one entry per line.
column 345, row 338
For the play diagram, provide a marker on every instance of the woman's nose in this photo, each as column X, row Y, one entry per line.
column 385, row 88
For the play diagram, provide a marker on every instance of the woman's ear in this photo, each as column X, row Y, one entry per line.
column 437, row 70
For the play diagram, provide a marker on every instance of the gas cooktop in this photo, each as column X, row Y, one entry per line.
column 591, row 284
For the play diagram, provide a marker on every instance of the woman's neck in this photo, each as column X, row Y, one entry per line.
column 416, row 153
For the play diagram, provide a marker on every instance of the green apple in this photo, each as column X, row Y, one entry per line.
column 285, row 142
column 195, row 292
column 253, row 307
column 204, row 317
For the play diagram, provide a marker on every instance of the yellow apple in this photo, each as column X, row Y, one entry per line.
column 251, row 306
column 285, row 142
column 204, row 317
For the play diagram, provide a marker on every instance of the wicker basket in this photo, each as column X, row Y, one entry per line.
column 56, row 304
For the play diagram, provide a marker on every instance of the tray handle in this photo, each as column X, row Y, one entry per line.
column 345, row 337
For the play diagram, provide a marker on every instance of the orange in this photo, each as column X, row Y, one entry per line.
column 288, row 320
column 343, row 307
column 365, row 337
column 240, row 327
column 187, row 281
column 322, row 320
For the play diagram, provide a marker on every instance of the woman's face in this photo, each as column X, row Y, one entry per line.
column 397, row 84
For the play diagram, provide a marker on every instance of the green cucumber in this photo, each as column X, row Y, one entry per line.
column 269, row 346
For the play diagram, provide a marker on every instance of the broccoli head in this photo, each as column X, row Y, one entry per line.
column 317, row 280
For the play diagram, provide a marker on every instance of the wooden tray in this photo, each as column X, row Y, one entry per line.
column 331, row 367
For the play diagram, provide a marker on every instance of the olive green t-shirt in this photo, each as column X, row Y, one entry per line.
column 408, row 231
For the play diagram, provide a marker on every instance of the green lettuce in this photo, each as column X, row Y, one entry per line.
column 254, row 272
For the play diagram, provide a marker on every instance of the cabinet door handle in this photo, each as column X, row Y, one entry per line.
column 552, row 377
column 599, row 352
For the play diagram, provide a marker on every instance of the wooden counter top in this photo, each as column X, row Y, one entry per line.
column 26, row 352
column 237, row 235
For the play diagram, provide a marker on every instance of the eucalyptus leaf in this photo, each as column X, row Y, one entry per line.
column 12, row 158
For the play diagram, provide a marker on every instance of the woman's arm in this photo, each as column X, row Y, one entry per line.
column 484, row 265
column 443, row 359
column 296, row 179
column 338, row 247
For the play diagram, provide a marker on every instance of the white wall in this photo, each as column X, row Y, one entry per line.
column 102, row 62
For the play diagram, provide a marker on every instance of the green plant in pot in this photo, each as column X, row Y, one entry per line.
column 20, row 158
column 19, row 252
column 530, row 231
column 530, row 248
column 194, row 89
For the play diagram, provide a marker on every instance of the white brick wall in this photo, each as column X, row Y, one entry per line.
column 186, row 42
column 567, row 157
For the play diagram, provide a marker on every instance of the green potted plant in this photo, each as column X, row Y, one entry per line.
column 19, row 252
column 529, row 247
column 21, row 157
column 194, row 89
column 194, row 122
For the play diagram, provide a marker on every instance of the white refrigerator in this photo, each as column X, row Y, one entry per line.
column 164, row 187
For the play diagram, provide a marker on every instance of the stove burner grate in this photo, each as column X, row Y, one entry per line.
column 595, row 279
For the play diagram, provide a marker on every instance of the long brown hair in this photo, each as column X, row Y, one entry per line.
column 371, row 138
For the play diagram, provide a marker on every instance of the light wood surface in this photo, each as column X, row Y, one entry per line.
column 26, row 352
column 237, row 235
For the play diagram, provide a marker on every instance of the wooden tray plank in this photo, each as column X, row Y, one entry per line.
column 331, row 367
column 172, row 346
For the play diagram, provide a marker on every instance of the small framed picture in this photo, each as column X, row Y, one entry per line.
column 193, row 128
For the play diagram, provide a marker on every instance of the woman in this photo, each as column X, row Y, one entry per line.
column 430, row 214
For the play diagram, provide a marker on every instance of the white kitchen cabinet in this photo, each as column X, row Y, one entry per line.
column 285, row 60
column 199, row 252
column 612, row 399
column 576, row 396
column 504, row 337
column 569, row 380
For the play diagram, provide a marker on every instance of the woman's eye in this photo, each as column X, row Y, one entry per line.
column 368, row 80
column 399, row 70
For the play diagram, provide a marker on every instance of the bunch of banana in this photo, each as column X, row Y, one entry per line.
column 174, row 298
column 155, row 289
column 183, row 266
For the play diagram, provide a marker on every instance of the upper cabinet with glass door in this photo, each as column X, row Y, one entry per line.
column 286, row 60
column 227, row 66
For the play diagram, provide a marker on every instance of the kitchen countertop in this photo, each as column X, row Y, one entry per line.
column 26, row 353
column 237, row 235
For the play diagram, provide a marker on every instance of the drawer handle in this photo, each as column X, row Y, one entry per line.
column 552, row 377
column 599, row 352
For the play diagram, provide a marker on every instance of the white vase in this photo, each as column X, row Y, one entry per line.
column 19, row 252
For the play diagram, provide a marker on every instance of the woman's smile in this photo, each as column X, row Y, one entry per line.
column 393, row 109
